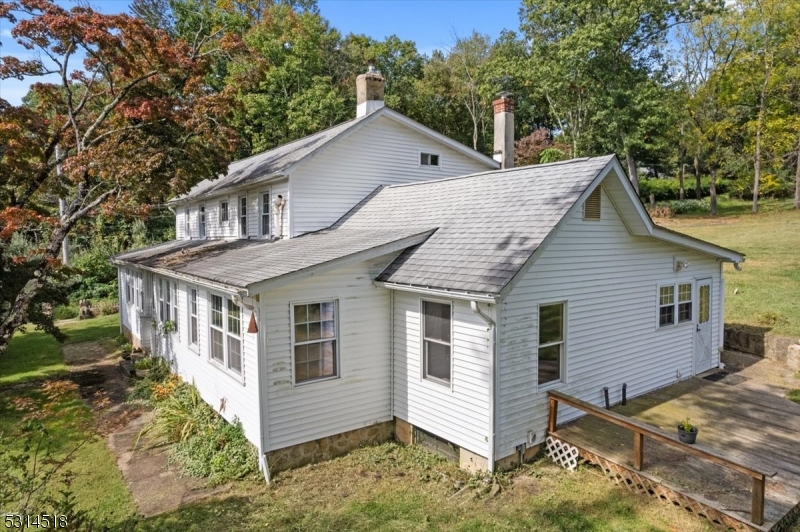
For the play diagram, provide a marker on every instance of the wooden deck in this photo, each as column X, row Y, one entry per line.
column 744, row 419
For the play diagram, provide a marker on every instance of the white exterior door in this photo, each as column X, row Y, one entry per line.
column 702, row 335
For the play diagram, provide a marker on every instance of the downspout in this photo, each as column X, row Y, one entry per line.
column 492, row 380
column 391, row 354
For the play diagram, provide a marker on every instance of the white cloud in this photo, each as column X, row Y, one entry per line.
column 5, row 33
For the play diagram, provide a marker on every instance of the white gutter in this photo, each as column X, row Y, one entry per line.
column 438, row 292
column 492, row 381
column 185, row 277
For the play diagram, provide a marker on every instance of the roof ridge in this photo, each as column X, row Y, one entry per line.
column 498, row 171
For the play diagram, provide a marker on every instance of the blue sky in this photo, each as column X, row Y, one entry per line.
column 431, row 24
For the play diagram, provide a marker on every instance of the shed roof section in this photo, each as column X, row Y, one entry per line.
column 239, row 264
column 489, row 224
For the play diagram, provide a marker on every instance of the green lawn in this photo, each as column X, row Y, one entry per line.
column 766, row 292
column 396, row 488
column 35, row 355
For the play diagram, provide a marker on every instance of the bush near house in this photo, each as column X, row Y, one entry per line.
column 203, row 443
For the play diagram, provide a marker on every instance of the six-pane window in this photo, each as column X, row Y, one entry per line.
column 193, row 316
column 187, row 226
column 315, row 341
column 436, row 340
column 216, row 330
column 223, row 212
column 551, row 342
column 675, row 304
column 202, row 221
column 234, row 333
column 265, row 214
column 242, row 216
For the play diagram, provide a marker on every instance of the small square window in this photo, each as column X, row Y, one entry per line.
column 428, row 159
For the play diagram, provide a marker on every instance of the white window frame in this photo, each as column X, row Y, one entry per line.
column 187, row 227
column 423, row 366
column 224, row 364
column 224, row 212
column 241, row 212
column 192, row 311
column 676, row 303
column 201, row 221
column 173, row 292
column 139, row 290
column 262, row 214
column 160, row 306
column 438, row 156
column 564, row 344
column 336, row 338
column 129, row 295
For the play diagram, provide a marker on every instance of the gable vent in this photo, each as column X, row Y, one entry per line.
column 591, row 207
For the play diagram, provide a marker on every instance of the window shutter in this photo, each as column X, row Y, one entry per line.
column 591, row 207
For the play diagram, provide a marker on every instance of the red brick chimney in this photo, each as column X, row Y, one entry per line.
column 504, row 131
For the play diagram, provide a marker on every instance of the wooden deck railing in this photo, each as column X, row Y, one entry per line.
column 640, row 430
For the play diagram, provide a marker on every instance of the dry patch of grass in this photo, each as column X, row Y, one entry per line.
column 391, row 487
column 767, row 292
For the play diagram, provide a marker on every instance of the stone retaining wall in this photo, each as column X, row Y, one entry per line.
column 758, row 341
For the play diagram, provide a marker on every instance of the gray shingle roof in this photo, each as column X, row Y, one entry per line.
column 489, row 224
column 239, row 263
column 268, row 163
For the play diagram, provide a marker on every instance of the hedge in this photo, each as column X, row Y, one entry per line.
column 669, row 189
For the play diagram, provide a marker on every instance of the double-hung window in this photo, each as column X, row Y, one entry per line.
column 139, row 291
column 128, row 287
column 163, row 308
column 265, row 215
column 243, row 216
column 315, row 341
column 202, row 221
column 225, row 333
column 172, row 300
column 674, row 304
column 186, row 225
column 223, row 212
column 193, row 340
column 437, row 344
column 551, row 343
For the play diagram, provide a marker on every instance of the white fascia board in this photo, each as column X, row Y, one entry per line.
column 268, row 179
column 227, row 288
column 325, row 267
column 439, row 292
column 455, row 145
column 694, row 244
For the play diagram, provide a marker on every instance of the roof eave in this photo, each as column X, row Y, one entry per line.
column 224, row 287
column 695, row 244
column 210, row 195
column 440, row 292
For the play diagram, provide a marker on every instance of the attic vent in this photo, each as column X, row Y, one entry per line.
column 591, row 207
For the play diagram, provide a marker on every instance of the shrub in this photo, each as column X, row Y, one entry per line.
column 63, row 312
column 145, row 363
column 143, row 389
column 660, row 211
column 771, row 186
column 221, row 453
column 669, row 189
column 689, row 206
column 180, row 416
column 96, row 276
column 104, row 307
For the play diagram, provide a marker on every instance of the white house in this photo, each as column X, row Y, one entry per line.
column 378, row 278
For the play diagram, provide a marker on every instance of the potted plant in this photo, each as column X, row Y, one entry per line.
column 144, row 366
column 687, row 432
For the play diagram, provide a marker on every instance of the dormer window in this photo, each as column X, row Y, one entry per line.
column 428, row 159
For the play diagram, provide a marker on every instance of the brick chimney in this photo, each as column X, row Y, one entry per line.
column 369, row 91
column 504, row 131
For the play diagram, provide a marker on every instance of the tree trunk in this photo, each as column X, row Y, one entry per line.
column 713, row 191
column 17, row 315
column 633, row 172
column 698, row 185
column 797, row 179
column 680, row 180
column 757, row 172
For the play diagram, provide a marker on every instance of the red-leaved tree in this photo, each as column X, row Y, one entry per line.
column 123, row 111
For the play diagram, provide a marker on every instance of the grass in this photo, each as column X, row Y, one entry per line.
column 766, row 293
column 35, row 355
column 396, row 488
column 98, row 485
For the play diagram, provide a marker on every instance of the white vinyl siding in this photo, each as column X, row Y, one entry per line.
column 458, row 413
column 361, row 395
column 611, row 280
column 383, row 152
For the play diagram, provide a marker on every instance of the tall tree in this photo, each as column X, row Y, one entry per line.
column 600, row 62
column 133, row 123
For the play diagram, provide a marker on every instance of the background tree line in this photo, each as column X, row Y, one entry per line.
column 704, row 91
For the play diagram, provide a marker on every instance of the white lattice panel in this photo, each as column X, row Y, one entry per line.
column 562, row 453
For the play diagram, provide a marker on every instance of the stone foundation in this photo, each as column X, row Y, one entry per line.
column 758, row 341
column 511, row 461
column 133, row 339
column 328, row 448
